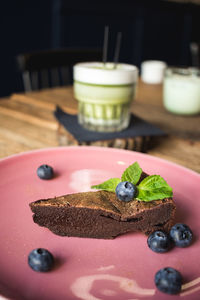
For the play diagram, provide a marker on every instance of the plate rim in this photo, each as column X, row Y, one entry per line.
column 97, row 148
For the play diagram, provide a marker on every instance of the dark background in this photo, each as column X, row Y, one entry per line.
column 151, row 29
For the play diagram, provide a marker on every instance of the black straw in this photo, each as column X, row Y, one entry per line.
column 117, row 49
column 105, row 44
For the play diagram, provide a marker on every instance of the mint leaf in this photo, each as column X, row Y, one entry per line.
column 132, row 173
column 153, row 187
column 108, row 185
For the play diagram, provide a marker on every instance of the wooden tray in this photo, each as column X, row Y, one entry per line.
column 139, row 143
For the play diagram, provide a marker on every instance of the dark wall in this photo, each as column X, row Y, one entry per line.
column 150, row 30
column 25, row 26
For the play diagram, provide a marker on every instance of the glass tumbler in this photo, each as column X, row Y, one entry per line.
column 104, row 93
column 181, row 90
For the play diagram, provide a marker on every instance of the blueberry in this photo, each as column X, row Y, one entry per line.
column 125, row 191
column 181, row 235
column 45, row 172
column 40, row 260
column 168, row 280
column 159, row 241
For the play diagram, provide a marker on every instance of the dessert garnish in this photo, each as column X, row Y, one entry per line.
column 40, row 260
column 181, row 235
column 125, row 191
column 159, row 241
column 168, row 280
column 45, row 172
column 152, row 187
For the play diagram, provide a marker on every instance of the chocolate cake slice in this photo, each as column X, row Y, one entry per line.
column 101, row 215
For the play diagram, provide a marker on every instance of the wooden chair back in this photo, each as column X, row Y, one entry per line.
column 52, row 68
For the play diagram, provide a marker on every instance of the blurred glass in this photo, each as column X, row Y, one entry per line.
column 181, row 90
column 152, row 71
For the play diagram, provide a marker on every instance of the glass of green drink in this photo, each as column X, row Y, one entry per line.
column 104, row 93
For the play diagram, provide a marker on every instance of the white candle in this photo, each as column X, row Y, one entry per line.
column 181, row 91
column 152, row 71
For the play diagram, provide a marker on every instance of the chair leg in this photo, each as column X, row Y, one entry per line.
column 26, row 81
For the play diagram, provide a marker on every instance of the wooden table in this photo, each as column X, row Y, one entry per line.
column 27, row 123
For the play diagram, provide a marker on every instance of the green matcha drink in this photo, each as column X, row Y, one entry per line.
column 104, row 93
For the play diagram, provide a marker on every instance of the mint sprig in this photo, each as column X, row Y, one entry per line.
column 108, row 185
column 132, row 173
column 153, row 187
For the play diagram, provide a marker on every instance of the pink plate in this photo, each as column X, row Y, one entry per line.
column 89, row 269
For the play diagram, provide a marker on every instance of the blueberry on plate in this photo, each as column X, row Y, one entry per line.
column 125, row 191
column 168, row 280
column 181, row 235
column 159, row 241
column 40, row 260
column 45, row 172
